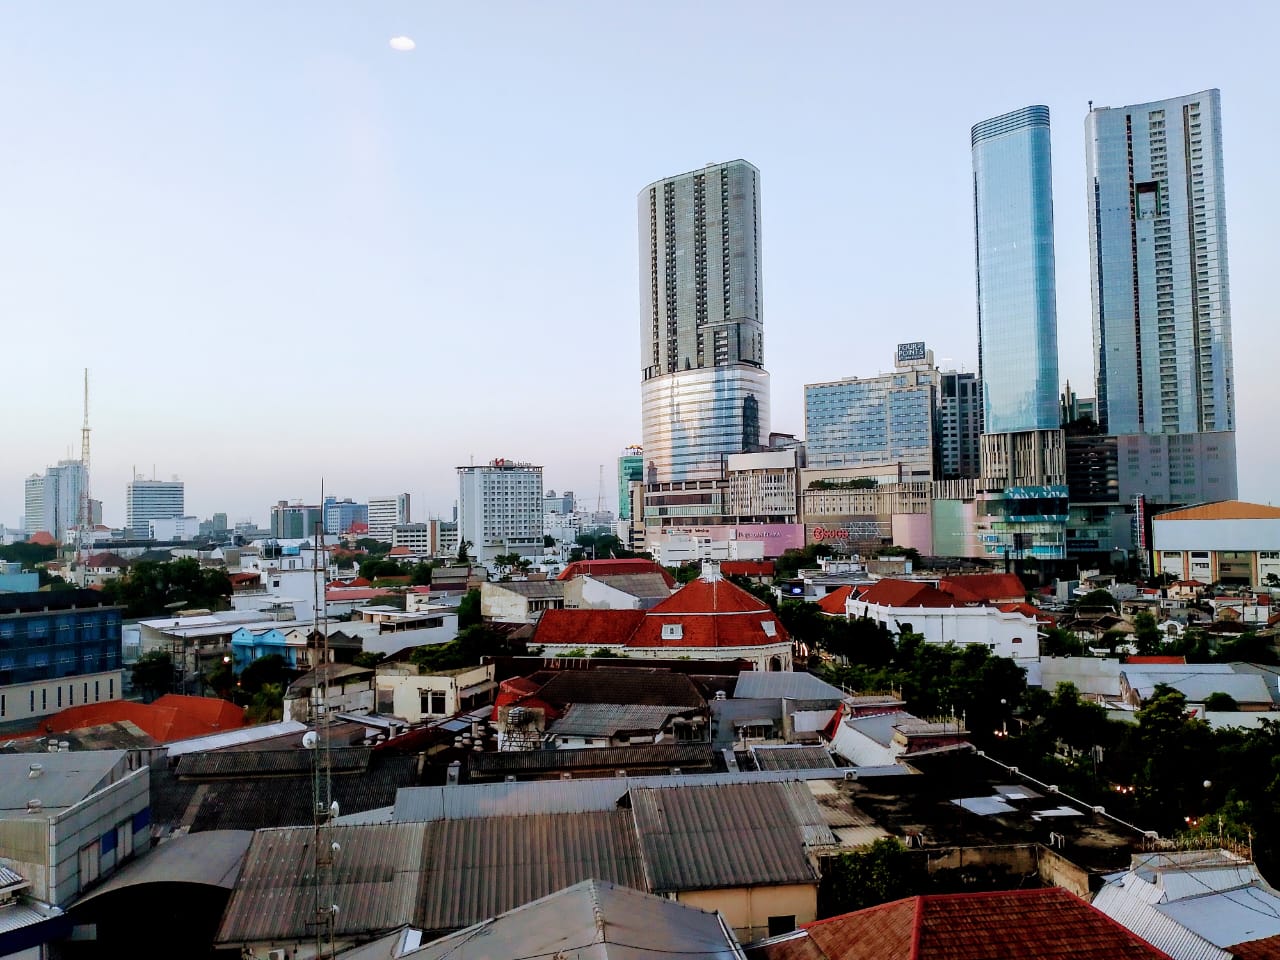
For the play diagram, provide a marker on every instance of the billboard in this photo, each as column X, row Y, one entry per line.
column 776, row 537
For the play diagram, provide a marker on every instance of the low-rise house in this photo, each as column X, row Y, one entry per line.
column 866, row 737
column 622, row 591
column 520, row 601
column 1193, row 904
column 912, row 606
column 1196, row 681
column 404, row 692
column 349, row 689
column 249, row 644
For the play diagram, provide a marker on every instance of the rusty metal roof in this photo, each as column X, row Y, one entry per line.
column 475, row 869
column 729, row 835
column 240, row 763
column 621, row 758
column 376, row 872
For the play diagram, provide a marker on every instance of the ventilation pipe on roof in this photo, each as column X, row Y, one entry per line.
column 34, row 770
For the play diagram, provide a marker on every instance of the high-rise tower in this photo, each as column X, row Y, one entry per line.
column 1158, row 253
column 1023, row 469
column 705, row 393
column 1017, row 301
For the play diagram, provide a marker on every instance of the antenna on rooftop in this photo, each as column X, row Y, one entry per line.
column 324, row 809
column 85, row 511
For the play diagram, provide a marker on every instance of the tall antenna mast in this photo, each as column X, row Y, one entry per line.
column 85, row 518
column 323, row 804
column 600, row 491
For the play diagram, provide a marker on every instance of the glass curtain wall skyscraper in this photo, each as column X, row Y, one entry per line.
column 1017, row 301
column 1158, row 253
column 704, row 390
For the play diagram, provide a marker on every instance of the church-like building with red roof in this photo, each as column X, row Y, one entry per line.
column 708, row 619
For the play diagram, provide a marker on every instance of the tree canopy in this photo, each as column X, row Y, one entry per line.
column 154, row 588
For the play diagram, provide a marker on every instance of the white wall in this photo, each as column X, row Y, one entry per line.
column 1005, row 634
column 1242, row 535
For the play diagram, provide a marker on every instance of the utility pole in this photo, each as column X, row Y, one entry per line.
column 84, row 534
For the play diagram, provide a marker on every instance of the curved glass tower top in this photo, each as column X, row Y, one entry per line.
column 1017, row 302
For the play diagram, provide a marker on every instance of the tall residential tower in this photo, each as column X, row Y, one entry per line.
column 1161, row 303
column 705, row 393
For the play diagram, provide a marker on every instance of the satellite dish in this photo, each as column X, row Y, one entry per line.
column 310, row 739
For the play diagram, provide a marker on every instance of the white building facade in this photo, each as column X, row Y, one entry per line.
column 500, row 509
column 153, row 500
column 385, row 513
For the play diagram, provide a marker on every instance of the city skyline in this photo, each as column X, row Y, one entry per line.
column 290, row 215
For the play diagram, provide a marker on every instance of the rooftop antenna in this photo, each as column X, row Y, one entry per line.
column 600, row 491
column 317, row 739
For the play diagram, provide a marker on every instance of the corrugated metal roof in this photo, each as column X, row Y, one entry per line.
column 376, row 880
column 609, row 719
column 217, row 741
column 476, row 869
column 1197, row 685
column 212, row 858
column 768, row 685
column 621, row 758
column 731, row 835
column 792, row 757
column 592, row 920
column 239, row 763
column 569, row 796
column 1149, row 924
column 17, row 916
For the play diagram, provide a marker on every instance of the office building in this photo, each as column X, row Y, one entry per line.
column 152, row 500
column 876, row 421
column 385, row 513
column 295, row 521
column 339, row 515
column 959, row 426
column 33, row 504
column 1022, row 454
column 500, row 509
column 630, row 470
column 704, row 389
column 558, row 503
column 57, row 650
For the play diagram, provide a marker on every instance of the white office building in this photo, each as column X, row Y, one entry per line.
column 385, row 513
column 147, row 500
column 500, row 509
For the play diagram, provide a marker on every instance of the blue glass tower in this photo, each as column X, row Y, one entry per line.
column 1017, row 303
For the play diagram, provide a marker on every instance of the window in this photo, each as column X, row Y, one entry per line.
column 781, row 925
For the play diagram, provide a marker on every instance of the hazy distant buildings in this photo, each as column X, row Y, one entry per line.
column 630, row 470
column 147, row 500
column 339, row 515
column 385, row 513
column 704, row 390
column 500, row 509
column 52, row 500
column 296, row 521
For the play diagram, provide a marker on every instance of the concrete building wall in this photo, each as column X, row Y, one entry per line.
column 748, row 909
column 1005, row 634
column 115, row 821
column 30, row 701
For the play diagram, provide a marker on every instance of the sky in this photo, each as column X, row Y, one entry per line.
column 288, row 252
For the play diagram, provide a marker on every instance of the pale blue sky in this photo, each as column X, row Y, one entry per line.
column 286, row 250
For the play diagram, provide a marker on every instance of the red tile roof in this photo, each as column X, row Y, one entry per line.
column 1267, row 948
column 614, row 568
column 1048, row 924
column 241, row 578
column 105, row 559
column 42, row 538
column 586, row 628
column 906, row 593
column 980, row 587
column 833, row 602
column 709, row 613
column 1155, row 659
column 1029, row 610
column 400, row 551
column 747, row 568
column 172, row 717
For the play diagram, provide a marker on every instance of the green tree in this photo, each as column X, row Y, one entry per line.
column 761, row 591
column 469, row 610
column 463, row 546
column 1097, row 600
column 366, row 658
column 686, row 572
column 153, row 674
column 267, row 704
column 1062, row 643
column 1220, row 702
column 1146, row 635
column 270, row 669
column 153, row 588
column 859, row 640
column 1248, row 647
column 221, row 679
column 884, row 872
column 30, row 555
column 1173, row 754
column 375, row 548
column 420, row 575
